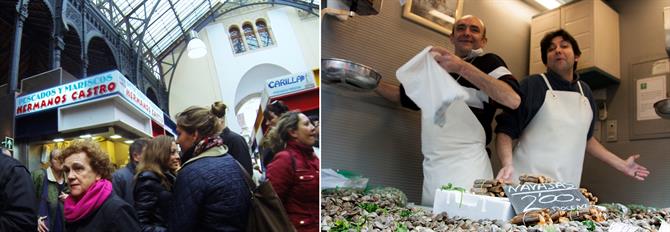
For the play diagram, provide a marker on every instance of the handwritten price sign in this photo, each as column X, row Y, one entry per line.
column 553, row 196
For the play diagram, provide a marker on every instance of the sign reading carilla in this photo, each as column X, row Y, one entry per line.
column 553, row 196
column 290, row 83
column 100, row 85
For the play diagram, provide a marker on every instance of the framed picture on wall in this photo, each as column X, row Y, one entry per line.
column 438, row 15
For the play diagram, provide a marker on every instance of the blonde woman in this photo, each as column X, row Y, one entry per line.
column 153, row 182
column 210, row 193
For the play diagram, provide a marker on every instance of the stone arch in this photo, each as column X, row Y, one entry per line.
column 36, row 40
column 101, row 57
column 71, row 56
column 253, row 80
column 151, row 94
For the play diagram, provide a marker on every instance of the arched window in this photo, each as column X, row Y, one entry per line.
column 250, row 36
column 236, row 40
column 264, row 33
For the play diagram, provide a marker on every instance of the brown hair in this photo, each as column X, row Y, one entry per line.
column 205, row 122
column 98, row 159
column 156, row 158
column 277, row 138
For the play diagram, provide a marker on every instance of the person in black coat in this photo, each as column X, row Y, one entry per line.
column 18, row 206
column 210, row 193
column 154, row 181
column 122, row 179
column 237, row 145
column 271, row 115
column 92, row 205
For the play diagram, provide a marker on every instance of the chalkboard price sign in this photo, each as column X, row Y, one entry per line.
column 553, row 196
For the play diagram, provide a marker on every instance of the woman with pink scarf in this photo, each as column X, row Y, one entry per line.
column 92, row 205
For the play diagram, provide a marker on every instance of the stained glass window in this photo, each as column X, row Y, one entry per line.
column 264, row 33
column 236, row 40
column 250, row 36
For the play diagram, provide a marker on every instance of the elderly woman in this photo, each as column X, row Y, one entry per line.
column 92, row 205
column 210, row 193
column 294, row 172
column 154, row 181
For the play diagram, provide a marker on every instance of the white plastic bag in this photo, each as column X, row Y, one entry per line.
column 331, row 179
column 429, row 85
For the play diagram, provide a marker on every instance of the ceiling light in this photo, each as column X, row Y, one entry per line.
column 128, row 141
column 58, row 140
column 549, row 4
column 86, row 136
column 196, row 48
column 115, row 137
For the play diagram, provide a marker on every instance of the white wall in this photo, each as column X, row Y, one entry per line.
column 194, row 83
column 218, row 75
column 309, row 28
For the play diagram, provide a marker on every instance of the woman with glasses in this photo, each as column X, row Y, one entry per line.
column 153, row 182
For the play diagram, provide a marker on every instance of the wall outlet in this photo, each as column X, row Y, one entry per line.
column 612, row 135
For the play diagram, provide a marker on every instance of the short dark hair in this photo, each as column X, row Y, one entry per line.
column 276, row 107
column 137, row 147
column 545, row 43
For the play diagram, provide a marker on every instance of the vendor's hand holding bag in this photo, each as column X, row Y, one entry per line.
column 267, row 212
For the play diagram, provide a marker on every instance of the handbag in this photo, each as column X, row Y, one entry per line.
column 267, row 212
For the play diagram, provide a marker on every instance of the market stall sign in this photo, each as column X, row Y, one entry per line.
column 90, row 88
column 553, row 196
column 8, row 143
column 133, row 95
column 290, row 83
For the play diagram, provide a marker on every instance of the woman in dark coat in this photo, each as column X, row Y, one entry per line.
column 92, row 205
column 153, row 182
column 210, row 193
column 271, row 115
column 294, row 172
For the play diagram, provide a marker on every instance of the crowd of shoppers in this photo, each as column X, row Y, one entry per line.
column 165, row 188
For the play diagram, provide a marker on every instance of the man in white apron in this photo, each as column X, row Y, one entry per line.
column 554, row 122
column 456, row 152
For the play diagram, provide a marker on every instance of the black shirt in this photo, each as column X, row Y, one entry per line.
column 114, row 214
column 238, row 148
column 483, row 108
column 532, row 93
column 18, row 205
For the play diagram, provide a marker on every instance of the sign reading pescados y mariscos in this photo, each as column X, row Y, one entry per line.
column 104, row 84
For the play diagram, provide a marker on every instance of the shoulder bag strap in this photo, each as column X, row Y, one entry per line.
column 250, row 183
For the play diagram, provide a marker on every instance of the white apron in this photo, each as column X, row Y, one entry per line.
column 554, row 142
column 455, row 153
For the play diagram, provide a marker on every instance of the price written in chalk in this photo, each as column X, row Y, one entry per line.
column 554, row 196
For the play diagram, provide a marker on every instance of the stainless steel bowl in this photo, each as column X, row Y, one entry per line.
column 663, row 108
column 349, row 75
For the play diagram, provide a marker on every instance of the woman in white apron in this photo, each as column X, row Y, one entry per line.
column 555, row 134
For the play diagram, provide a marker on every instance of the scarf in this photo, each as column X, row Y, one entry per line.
column 76, row 209
column 207, row 143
